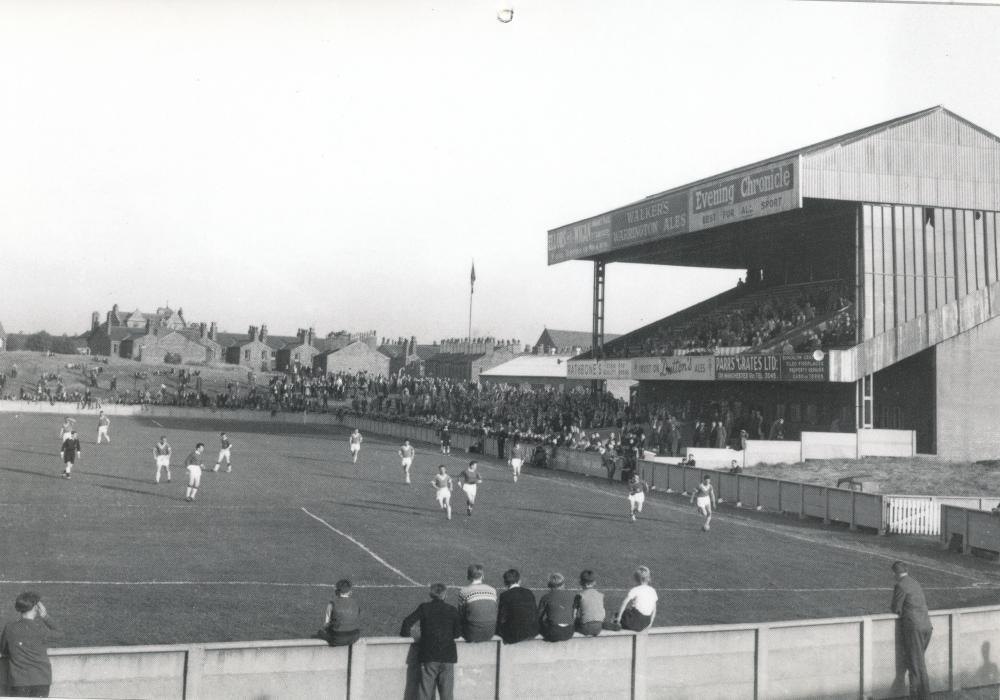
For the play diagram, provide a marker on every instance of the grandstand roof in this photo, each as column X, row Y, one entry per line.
column 548, row 366
column 932, row 157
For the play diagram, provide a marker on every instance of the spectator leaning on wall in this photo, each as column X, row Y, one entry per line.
column 24, row 644
column 436, row 650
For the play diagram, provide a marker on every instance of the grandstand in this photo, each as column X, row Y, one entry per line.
column 869, row 299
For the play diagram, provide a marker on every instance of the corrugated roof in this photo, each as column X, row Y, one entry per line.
column 841, row 140
column 883, row 175
column 548, row 366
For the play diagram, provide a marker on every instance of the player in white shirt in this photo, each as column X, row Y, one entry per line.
column 161, row 453
column 194, row 465
column 704, row 498
column 470, row 479
column 442, row 484
column 65, row 430
column 355, row 445
column 103, row 425
column 517, row 457
column 225, row 453
column 406, row 453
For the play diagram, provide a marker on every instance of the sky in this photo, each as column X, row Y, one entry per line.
column 340, row 164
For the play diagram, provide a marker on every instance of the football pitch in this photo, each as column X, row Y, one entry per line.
column 121, row 560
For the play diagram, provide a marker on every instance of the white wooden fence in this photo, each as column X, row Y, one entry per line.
column 921, row 515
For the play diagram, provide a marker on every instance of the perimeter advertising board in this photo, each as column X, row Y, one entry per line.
column 683, row 368
column 599, row 369
column 750, row 194
column 699, row 368
column 770, row 368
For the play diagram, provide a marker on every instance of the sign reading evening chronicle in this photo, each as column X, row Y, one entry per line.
column 764, row 190
column 758, row 192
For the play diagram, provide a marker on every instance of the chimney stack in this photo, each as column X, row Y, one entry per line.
column 263, row 333
column 95, row 321
column 311, row 336
column 202, row 330
column 252, row 332
column 213, row 330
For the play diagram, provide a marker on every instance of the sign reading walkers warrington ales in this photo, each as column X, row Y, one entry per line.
column 768, row 189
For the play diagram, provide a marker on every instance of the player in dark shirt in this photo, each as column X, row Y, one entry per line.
column 70, row 453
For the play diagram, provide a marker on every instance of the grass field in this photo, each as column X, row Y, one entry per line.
column 121, row 560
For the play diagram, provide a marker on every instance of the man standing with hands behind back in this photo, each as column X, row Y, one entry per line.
column 909, row 603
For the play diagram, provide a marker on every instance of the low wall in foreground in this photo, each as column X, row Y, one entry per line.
column 847, row 657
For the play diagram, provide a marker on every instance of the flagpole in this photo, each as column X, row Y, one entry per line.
column 472, row 289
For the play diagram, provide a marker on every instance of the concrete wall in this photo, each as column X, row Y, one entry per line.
column 829, row 445
column 968, row 394
column 772, row 452
column 886, row 443
column 847, row 657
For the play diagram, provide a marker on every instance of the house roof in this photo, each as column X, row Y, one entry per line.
column 229, row 340
column 425, row 352
column 455, row 356
column 548, row 366
column 351, row 345
column 123, row 333
column 570, row 339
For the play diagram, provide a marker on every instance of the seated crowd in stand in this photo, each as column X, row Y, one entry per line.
column 749, row 323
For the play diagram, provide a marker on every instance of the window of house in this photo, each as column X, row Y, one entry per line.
column 246, row 354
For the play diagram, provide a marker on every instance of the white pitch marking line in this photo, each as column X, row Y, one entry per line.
column 377, row 586
column 157, row 423
column 373, row 555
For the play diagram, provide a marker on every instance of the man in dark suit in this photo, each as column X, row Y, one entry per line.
column 915, row 624
column 440, row 625
column 516, row 616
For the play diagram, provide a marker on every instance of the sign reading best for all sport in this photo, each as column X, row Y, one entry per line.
column 753, row 193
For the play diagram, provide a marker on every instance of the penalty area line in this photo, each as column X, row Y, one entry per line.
column 371, row 553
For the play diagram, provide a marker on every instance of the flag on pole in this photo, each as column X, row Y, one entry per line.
column 472, row 282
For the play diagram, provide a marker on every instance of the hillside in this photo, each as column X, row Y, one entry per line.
column 73, row 371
